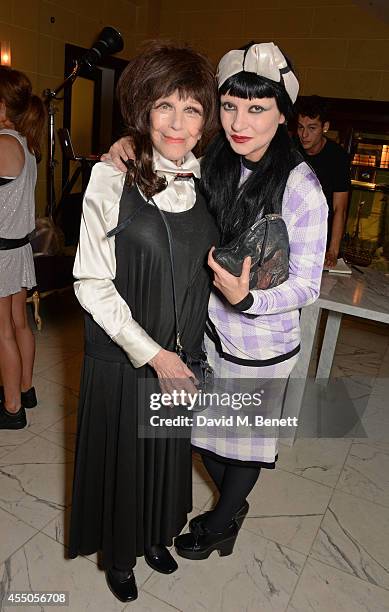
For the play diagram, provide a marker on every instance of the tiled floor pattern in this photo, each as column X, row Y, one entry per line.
column 316, row 538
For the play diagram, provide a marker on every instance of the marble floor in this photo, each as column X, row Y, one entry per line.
column 316, row 538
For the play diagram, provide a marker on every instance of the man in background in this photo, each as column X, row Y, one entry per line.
column 331, row 164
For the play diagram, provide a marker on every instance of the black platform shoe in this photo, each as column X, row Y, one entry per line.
column 201, row 542
column 12, row 420
column 238, row 518
column 159, row 558
column 124, row 589
column 28, row 398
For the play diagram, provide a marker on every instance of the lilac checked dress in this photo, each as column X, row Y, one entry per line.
column 263, row 342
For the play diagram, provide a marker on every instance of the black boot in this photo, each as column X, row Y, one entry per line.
column 28, row 398
column 122, row 584
column 200, row 543
column 159, row 558
column 238, row 517
column 12, row 420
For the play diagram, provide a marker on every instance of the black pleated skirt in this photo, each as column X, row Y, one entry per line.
column 128, row 491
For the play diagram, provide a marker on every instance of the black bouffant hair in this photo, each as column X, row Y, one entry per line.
column 237, row 207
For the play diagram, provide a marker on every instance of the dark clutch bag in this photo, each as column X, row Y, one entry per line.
column 203, row 372
column 267, row 243
column 200, row 367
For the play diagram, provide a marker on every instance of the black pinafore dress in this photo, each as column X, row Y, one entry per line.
column 128, row 491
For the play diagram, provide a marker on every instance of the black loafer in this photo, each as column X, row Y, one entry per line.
column 159, row 558
column 202, row 542
column 12, row 420
column 28, row 398
column 239, row 517
column 123, row 589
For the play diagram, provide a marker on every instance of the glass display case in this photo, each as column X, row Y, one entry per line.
column 366, row 240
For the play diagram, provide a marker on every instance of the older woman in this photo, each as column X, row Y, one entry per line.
column 131, row 495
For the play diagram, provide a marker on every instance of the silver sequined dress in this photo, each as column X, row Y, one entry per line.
column 17, row 218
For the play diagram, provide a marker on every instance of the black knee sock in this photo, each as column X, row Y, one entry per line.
column 215, row 469
column 238, row 481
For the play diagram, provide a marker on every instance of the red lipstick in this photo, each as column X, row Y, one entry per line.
column 240, row 139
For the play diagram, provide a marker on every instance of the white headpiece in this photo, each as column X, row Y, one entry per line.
column 264, row 59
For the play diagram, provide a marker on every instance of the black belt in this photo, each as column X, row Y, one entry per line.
column 212, row 334
column 13, row 243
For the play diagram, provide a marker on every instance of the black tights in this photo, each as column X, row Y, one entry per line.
column 234, row 483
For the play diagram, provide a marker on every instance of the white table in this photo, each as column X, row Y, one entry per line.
column 362, row 294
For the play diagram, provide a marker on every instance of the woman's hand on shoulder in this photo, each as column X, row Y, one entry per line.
column 172, row 372
column 11, row 156
column 119, row 151
column 234, row 288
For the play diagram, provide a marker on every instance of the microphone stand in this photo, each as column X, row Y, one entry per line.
column 50, row 95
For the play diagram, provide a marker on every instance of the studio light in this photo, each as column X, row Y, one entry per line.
column 110, row 41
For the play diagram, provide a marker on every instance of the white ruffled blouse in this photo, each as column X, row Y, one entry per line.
column 95, row 262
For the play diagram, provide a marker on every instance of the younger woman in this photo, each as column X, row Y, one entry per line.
column 22, row 119
column 252, row 169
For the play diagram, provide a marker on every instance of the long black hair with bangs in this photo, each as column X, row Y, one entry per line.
column 236, row 206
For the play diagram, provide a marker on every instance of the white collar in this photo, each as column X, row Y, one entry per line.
column 178, row 196
column 168, row 169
